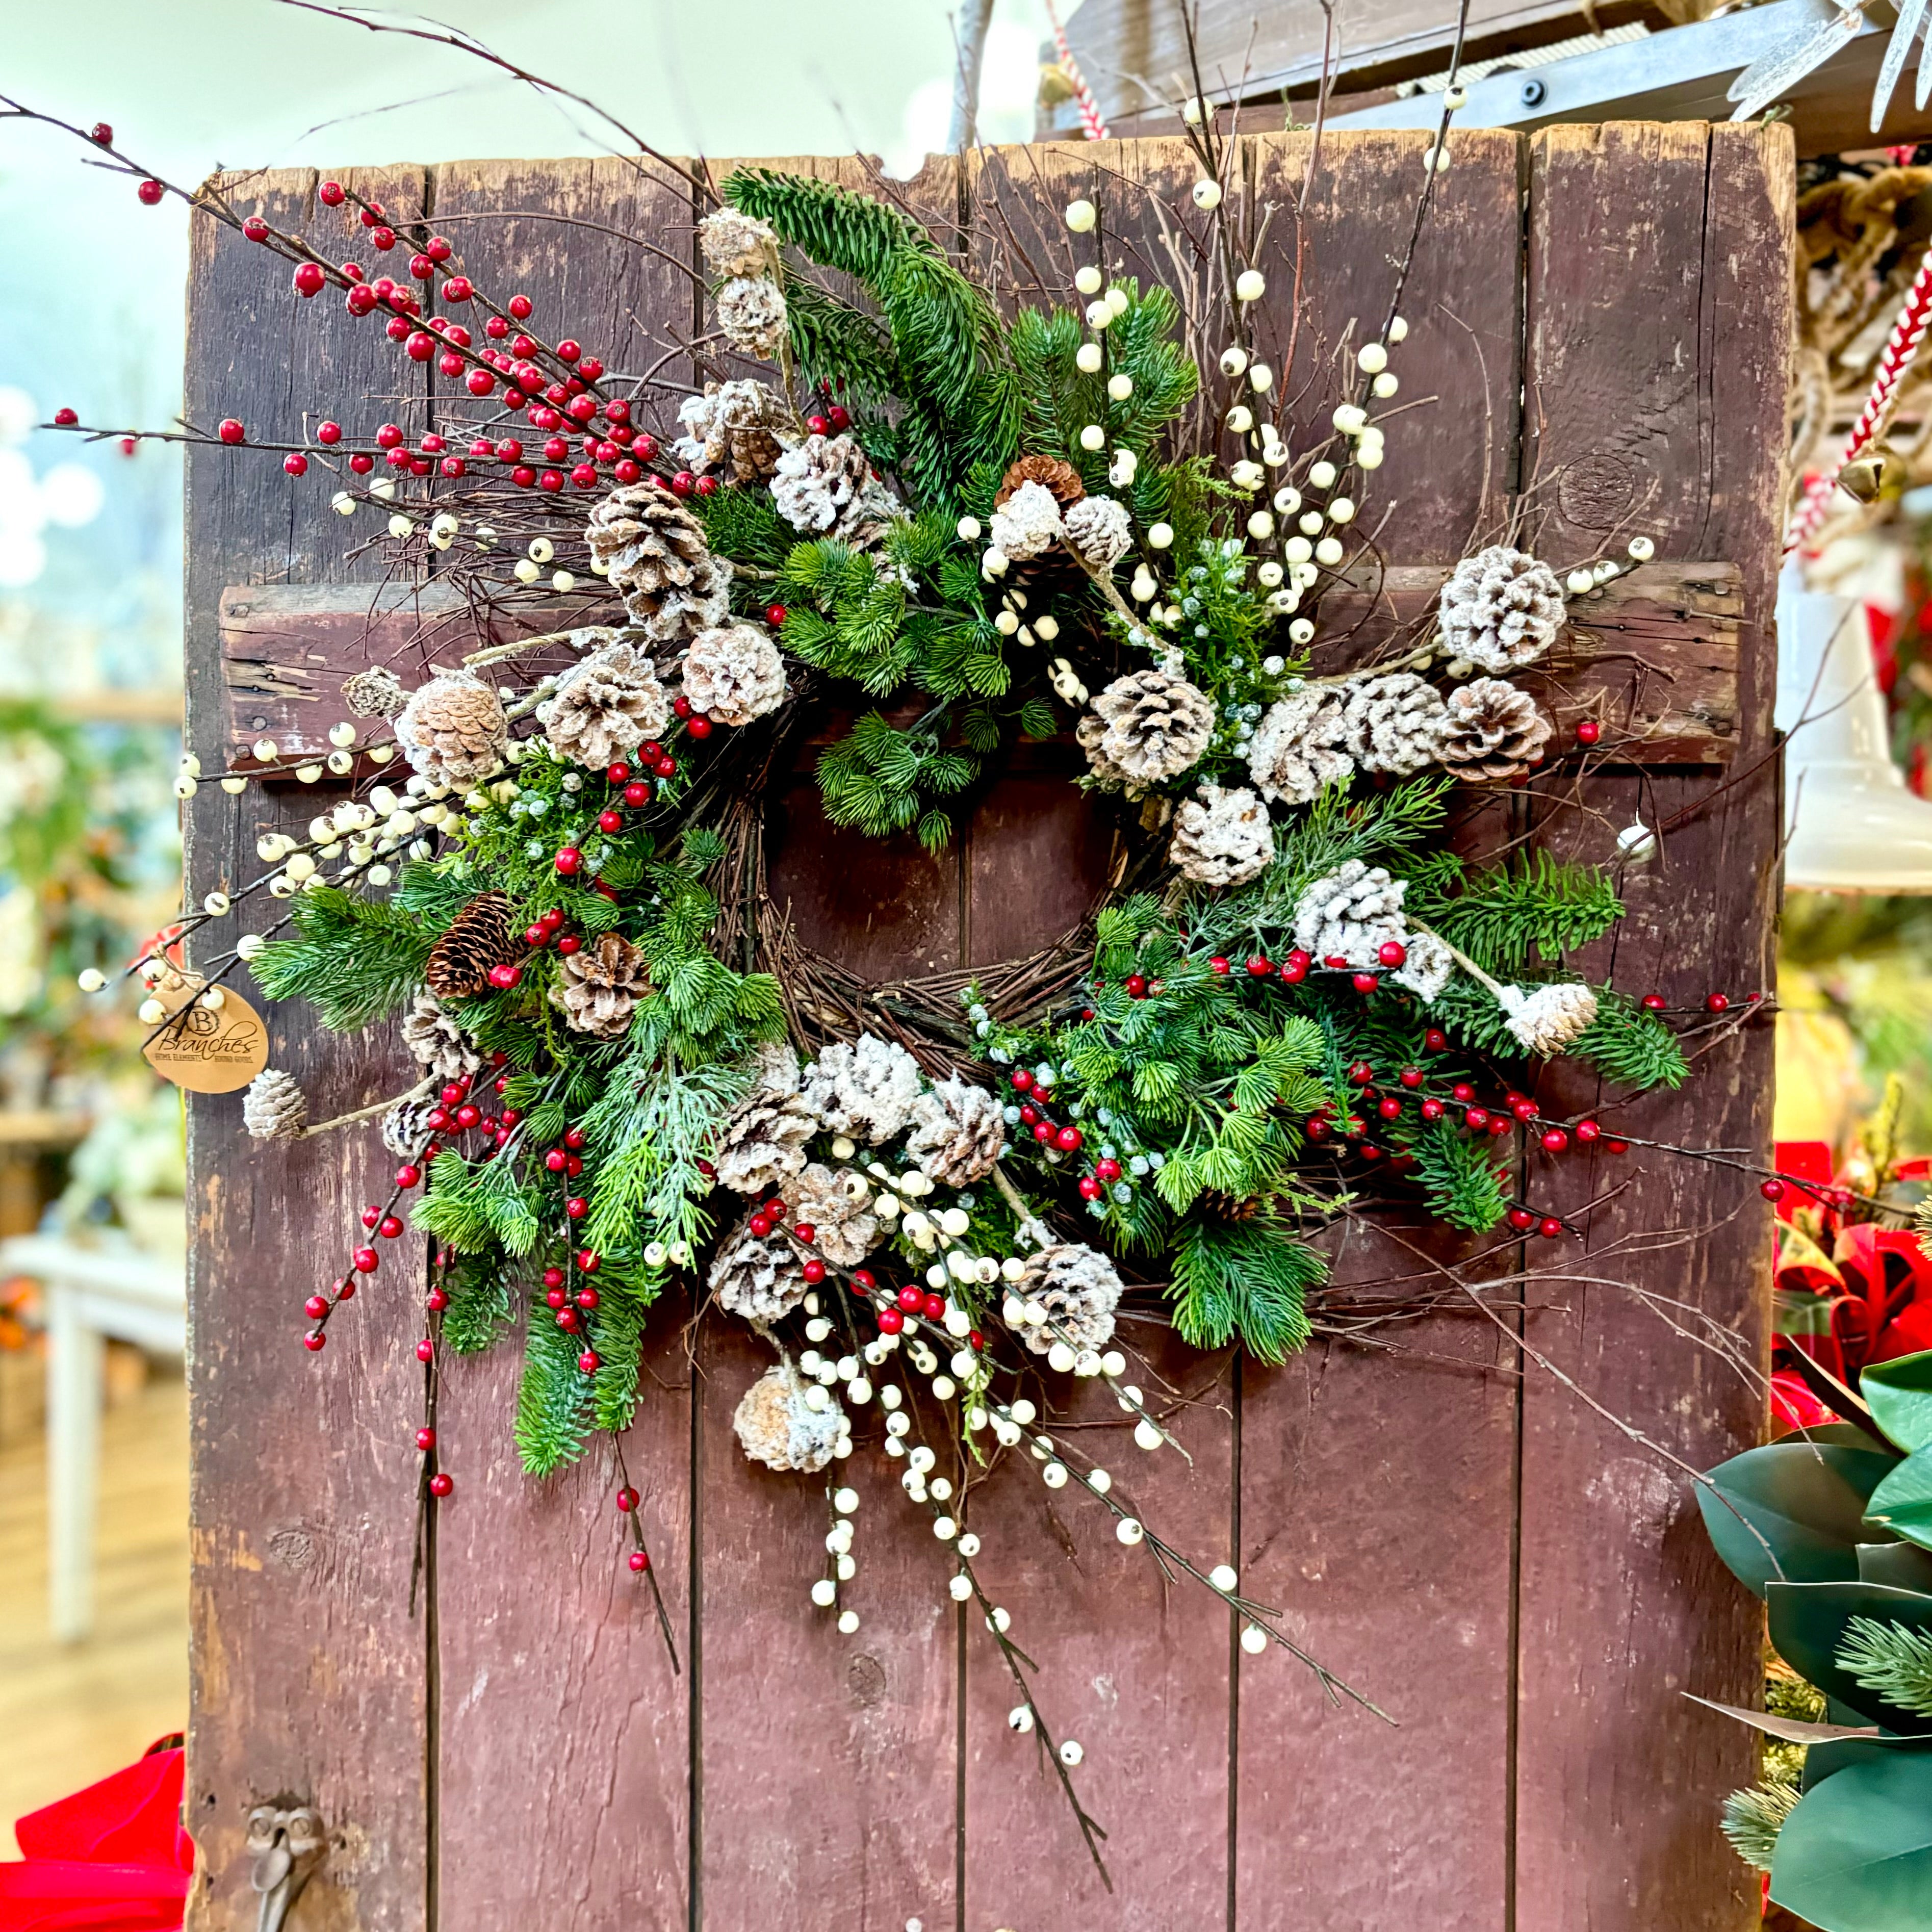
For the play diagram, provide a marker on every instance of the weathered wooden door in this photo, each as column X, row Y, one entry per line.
column 1599, row 319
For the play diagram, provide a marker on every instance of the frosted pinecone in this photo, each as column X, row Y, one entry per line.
column 405, row 1126
column 743, row 428
column 733, row 675
column 1221, row 837
column 818, row 484
column 435, row 1041
column 1500, row 609
column 604, row 706
column 1394, row 722
column 1492, row 731
column 959, row 1131
column 1077, row 1286
column 1350, row 913
column 653, row 552
column 1427, row 969
column 376, row 692
column 751, row 313
column 761, row 1280
column 736, row 244
column 786, row 1422
column 1099, row 529
column 761, row 1144
column 1157, row 725
column 453, row 730
column 1089, row 734
column 837, row 1205
column 866, row 1090
column 1549, row 1018
column 1028, row 524
column 273, row 1108
column 1301, row 744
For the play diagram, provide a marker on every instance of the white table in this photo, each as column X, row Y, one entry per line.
column 90, row 1293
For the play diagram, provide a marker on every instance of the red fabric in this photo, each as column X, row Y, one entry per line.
column 111, row 1858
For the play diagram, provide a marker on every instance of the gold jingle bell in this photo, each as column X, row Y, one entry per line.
column 1879, row 472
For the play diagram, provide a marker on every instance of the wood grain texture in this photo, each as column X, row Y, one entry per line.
column 308, row 1670
column 1659, row 291
column 1378, row 1487
column 552, row 1662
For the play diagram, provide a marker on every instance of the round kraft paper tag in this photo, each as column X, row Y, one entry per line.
column 207, row 1049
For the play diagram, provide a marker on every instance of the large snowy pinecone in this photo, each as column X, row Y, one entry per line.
column 959, row 1131
column 742, row 428
column 1394, row 722
column 435, row 1042
column 733, row 674
column 653, row 551
column 453, row 730
column 1077, row 1286
column 1221, row 837
column 818, row 485
column 752, row 313
column 604, row 706
column 1349, row 913
column 761, row 1145
column 1100, row 530
column 1028, row 524
column 1427, row 969
column 777, row 1425
column 1157, row 725
column 762, row 1280
column 1500, row 609
column 1301, row 746
column 866, row 1090
column 1492, row 730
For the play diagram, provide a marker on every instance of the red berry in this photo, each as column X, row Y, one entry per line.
column 818, row 425
column 1022, row 1081
column 589, row 1362
column 1389, row 1107
column 912, row 1299
column 101, row 134
column 1431, row 1110
column 458, row 288
column 425, row 1438
column 1044, row 1133
column 519, row 307
column 1410, row 1076
column 775, row 615
column 1361, row 1072
column 255, row 228
column 1589, row 731
column 1587, row 1131
column 1392, row 952
column 1549, row 1227
column 315, row 1308
column 698, row 726
column 1295, row 967
column 1260, row 966
column 1476, row 1119
column 636, row 793
column 1365, row 982
column 66, row 419
column 1136, row 986
column 813, row 1270
column 760, row 1225
column 588, row 1261
column 504, row 977
column 389, row 1227
column 1069, row 1140
column 569, row 861
column 1500, row 1124
column 576, row 1207
column 1555, row 1140
column 575, row 1138
column 1522, row 1219
column 314, row 1339
column 382, row 238
column 608, row 821
column 1219, row 966
column 1436, row 1040
column 1317, row 1128
column 295, row 464
column 839, row 418
column 365, row 1260
column 1090, row 1188
column 683, row 483
column 1772, row 1189
column 440, row 1485
column 935, row 1307
column 862, row 1281
column 435, row 1301
column 639, row 1561
column 150, row 192
column 467, row 1116
column 1107, row 1168
column 890, row 1321
column 230, row 430
column 1718, row 1003
column 569, row 943
column 332, row 194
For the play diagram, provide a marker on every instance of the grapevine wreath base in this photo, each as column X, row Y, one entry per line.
column 931, row 1198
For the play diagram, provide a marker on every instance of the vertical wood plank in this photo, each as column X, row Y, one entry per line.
column 1138, row 1672
column 1659, row 290
column 551, row 1656
column 308, row 1671
column 828, row 1765
column 1377, row 1491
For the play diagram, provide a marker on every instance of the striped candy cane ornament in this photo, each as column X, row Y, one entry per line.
column 1083, row 95
column 1900, row 347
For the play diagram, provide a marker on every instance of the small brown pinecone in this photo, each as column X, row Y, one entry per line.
column 600, row 987
column 1393, row 722
column 453, row 730
column 1493, row 730
column 405, row 1126
column 1157, row 725
column 476, row 939
column 604, row 707
column 273, row 1108
column 1054, row 473
column 777, row 1424
column 837, row 1206
column 1077, row 1286
column 435, row 1042
column 1220, row 1207
column 653, row 552
column 376, row 692
column 958, row 1133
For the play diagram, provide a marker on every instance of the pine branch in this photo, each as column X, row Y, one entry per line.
column 1462, row 1183
column 1754, row 1817
column 1892, row 1659
column 354, row 960
column 1245, row 1280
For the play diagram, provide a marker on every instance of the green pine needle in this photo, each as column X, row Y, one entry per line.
column 1754, row 1817
column 1890, row 1658
column 1245, row 1281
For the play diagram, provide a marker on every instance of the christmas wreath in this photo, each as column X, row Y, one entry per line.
column 931, row 1197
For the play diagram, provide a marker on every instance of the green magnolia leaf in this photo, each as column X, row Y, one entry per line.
column 1900, row 1395
column 1903, row 1502
column 1807, row 1500
column 1903, row 1565
column 1855, row 1855
column 1809, row 1622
